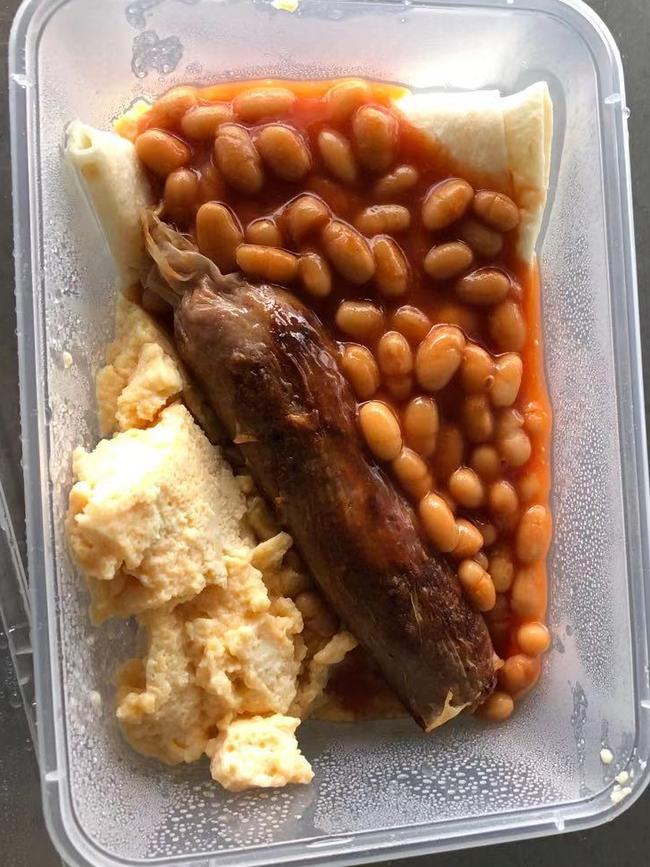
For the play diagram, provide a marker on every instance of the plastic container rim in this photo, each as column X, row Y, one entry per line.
column 69, row 837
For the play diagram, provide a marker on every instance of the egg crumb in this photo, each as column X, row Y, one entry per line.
column 618, row 794
column 606, row 756
column 258, row 752
column 285, row 5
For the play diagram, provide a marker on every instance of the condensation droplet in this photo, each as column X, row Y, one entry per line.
column 14, row 699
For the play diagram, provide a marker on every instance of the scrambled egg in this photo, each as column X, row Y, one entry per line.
column 230, row 651
column 315, row 673
column 258, row 751
column 150, row 514
column 163, row 530
column 142, row 374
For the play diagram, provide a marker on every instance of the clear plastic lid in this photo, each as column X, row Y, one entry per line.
column 381, row 789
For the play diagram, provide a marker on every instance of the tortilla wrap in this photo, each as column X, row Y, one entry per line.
column 497, row 142
column 118, row 190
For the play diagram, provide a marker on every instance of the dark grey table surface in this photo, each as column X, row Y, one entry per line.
column 23, row 838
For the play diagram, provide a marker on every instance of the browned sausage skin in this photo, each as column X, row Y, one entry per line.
column 270, row 373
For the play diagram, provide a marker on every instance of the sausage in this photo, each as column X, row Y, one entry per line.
column 270, row 373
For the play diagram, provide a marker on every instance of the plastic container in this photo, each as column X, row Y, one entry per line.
column 382, row 790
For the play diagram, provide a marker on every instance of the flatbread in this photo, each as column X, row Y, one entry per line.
column 118, row 190
column 528, row 120
column 501, row 142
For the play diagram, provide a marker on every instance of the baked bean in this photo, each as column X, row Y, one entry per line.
column 527, row 597
column 212, row 187
column 469, row 542
column 515, row 448
column 488, row 531
column 502, row 499
column 383, row 219
column 529, row 487
column 284, row 151
column 399, row 387
column 218, row 234
column 456, row 314
column 465, row 318
column 168, row 110
column 317, row 616
column 535, row 419
column 501, row 568
column 412, row 473
column 345, row 98
column 237, row 159
column 509, row 421
column 498, row 621
column 335, row 196
column 445, row 203
column 264, row 233
column 394, row 354
column 533, row 638
column 498, row 707
column 305, row 216
column 518, row 674
column 533, row 534
column 445, row 261
column 267, row 263
column 375, row 131
column 360, row 320
column 508, row 370
column 476, row 368
column 485, row 461
column 315, row 274
column 396, row 183
column 361, row 369
column 262, row 102
column 450, row 450
column 308, row 603
column 481, row 559
column 421, row 423
column 381, row 430
column 478, row 420
column 348, row 251
column 507, row 326
column 496, row 209
column 201, row 123
column 391, row 269
column 161, row 152
column 181, row 194
column 466, row 488
column 477, row 584
column 484, row 287
column 501, row 610
column 439, row 522
column 336, row 152
column 516, row 292
column 483, row 240
column 438, row 356
column 413, row 323
column 447, row 497
column 325, row 624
